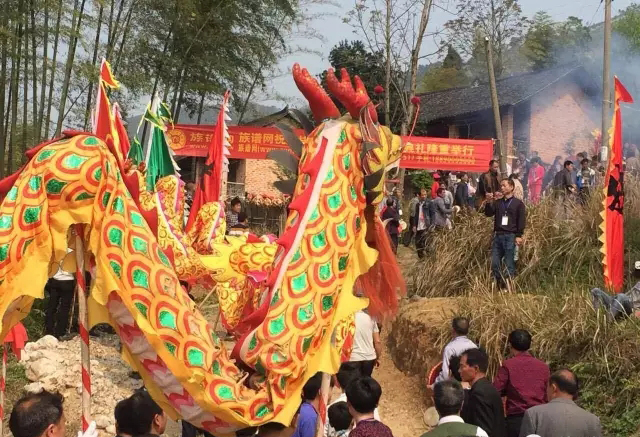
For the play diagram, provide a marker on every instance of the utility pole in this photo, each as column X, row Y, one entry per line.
column 496, row 107
column 606, row 83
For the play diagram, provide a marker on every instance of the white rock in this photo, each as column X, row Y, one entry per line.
column 94, row 363
column 34, row 387
column 111, row 429
column 47, row 342
column 102, row 421
column 40, row 369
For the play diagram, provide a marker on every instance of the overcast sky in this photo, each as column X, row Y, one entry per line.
column 335, row 30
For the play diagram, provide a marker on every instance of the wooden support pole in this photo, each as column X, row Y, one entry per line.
column 496, row 108
column 325, row 390
column 3, row 386
column 83, row 326
column 606, row 84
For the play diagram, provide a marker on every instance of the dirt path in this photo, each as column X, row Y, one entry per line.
column 403, row 400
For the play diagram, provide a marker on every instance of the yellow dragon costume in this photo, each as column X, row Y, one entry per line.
column 305, row 300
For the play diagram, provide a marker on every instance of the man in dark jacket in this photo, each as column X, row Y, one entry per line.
column 509, row 221
column 462, row 192
column 483, row 406
column 391, row 219
column 488, row 183
column 421, row 222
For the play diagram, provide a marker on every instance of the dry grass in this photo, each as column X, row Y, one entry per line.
column 559, row 263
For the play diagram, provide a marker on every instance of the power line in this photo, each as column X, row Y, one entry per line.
column 595, row 13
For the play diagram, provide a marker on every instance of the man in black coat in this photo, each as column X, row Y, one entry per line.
column 483, row 406
column 421, row 221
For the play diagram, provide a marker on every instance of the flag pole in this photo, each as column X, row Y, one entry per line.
column 83, row 324
column 325, row 389
column 3, row 383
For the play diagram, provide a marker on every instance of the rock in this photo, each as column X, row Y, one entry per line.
column 40, row 369
column 50, row 383
column 431, row 417
column 97, row 373
column 111, row 429
column 47, row 342
column 102, row 421
column 34, row 387
column 94, row 363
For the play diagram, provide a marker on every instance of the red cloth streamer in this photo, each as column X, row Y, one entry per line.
column 613, row 225
column 383, row 283
column 209, row 186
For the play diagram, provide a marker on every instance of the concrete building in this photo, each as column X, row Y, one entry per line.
column 551, row 112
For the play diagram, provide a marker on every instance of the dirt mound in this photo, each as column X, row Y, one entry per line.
column 415, row 340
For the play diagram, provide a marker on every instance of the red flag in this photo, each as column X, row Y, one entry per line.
column 123, row 137
column 209, row 187
column 613, row 224
column 107, row 77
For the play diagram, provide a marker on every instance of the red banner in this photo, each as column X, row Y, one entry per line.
column 249, row 142
column 613, row 223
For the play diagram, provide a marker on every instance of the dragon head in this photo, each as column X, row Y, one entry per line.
column 378, row 148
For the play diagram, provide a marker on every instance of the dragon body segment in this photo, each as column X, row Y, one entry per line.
column 293, row 299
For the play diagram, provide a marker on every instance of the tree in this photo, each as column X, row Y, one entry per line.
column 370, row 66
column 499, row 20
column 449, row 74
column 627, row 24
column 548, row 43
column 538, row 44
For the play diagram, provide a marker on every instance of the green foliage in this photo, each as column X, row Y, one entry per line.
column 538, row 44
column 370, row 66
column 447, row 75
column 421, row 179
column 548, row 43
column 628, row 25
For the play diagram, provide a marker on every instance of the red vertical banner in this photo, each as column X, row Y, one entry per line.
column 613, row 223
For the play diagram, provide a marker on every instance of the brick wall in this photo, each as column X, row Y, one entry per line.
column 560, row 115
column 507, row 130
column 260, row 176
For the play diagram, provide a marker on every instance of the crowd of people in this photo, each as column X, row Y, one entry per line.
column 434, row 209
column 536, row 401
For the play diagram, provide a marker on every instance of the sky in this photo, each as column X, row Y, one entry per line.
column 335, row 30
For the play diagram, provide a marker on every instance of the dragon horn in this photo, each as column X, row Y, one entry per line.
column 320, row 103
column 354, row 99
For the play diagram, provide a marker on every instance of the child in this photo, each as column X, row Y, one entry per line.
column 240, row 228
column 339, row 420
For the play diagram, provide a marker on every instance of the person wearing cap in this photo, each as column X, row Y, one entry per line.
column 622, row 304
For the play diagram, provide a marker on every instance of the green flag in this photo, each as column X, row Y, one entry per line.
column 159, row 163
column 135, row 152
column 154, row 119
column 164, row 113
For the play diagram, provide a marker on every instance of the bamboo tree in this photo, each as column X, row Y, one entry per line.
column 3, row 78
column 25, row 84
column 113, row 28
column 96, row 45
column 34, row 62
column 54, row 64
column 16, row 51
column 125, row 34
column 45, row 65
column 75, row 28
